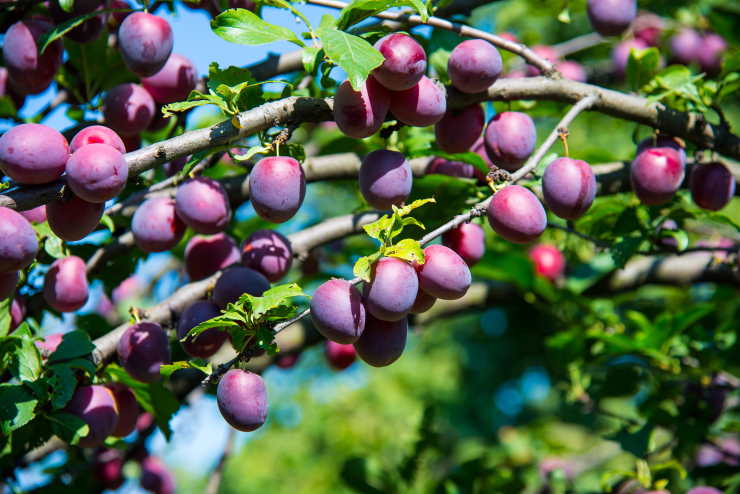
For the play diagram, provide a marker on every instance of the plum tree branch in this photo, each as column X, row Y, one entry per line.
column 523, row 51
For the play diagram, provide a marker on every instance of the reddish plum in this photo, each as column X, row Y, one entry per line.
column 517, row 215
column 337, row 311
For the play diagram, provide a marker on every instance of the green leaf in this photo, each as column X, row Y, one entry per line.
column 564, row 16
column 67, row 5
column 230, row 76
column 5, row 319
column 164, row 405
column 363, row 268
column 403, row 211
column 199, row 364
column 246, row 28
column 25, row 360
column 360, row 10
column 17, row 407
column 377, row 228
column 353, row 54
column 407, row 249
column 107, row 222
column 53, row 245
column 199, row 100
column 311, row 58
column 61, row 29
column 68, row 427
column 63, row 382
column 74, row 344
column 642, row 65
column 623, row 250
column 636, row 442
column 275, row 298
column 222, row 322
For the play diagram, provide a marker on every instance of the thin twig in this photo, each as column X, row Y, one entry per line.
column 214, row 482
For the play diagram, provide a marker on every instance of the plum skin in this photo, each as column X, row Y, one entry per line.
column 97, row 134
column 405, row 62
column 268, row 252
column 509, row 139
column 142, row 350
column 548, row 261
column 145, row 42
column 18, row 243
column 360, row 114
column 33, row 154
column 474, row 65
column 128, row 409
column 73, row 218
column 712, row 186
column 339, row 356
column 209, row 341
column 128, row 109
column 385, row 178
column 421, row 105
column 611, row 17
column 337, row 311
column 277, row 187
column 203, row 205
column 65, row 284
column 444, row 274
column 458, row 130
column 155, row 477
column 517, row 215
column 173, row 82
column 242, row 400
column 29, row 72
column 468, row 241
column 236, row 281
column 382, row 342
column 97, row 407
column 392, row 290
column 204, row 255
column 156, row 226
column 97, row 172
column 569, row 187
column 656, row 174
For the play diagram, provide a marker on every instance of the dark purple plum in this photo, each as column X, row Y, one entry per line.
column 444, row 274
column 288, row 360
column 360, row 113
column 479, row 148
column 569, row 187
column 572, row 70
column 29, row 72
column 88, row 30
column 18, row 244
column 129, row 109
column 108, row 468
column 97, row 134
column 128, row 409
column 509, row 139
column 65, row 284
column 611, row 17
column 338, row 355
column 8, row 282
column 713, row 46
column 685, row 46
column 392, row 290
column 156, row 226
column 548, row 261
column 236, row 281
column 132, row 142
column 155, row 477
column 96, row 406
column 656, row 175
column 209, row 341
column 242, row 400
column 73, row 218
column 97, row 172
column 468, row 241
column 277, row 186
column 206, row 255
column 621, row 54
column 712, row 186
column 459, row 129
column 382, row 342
column 405, row 62
column 474, row 65
column 422, row 105
column 35, row 215
column 337, row 311
column 385, row 178
column 423, row 302
column 459, row 169
column 143, row 349
column 517, row 215
column 268, row 252
column 203, row 205
column 174, row 82
column 33, row 154
column 145, row 41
